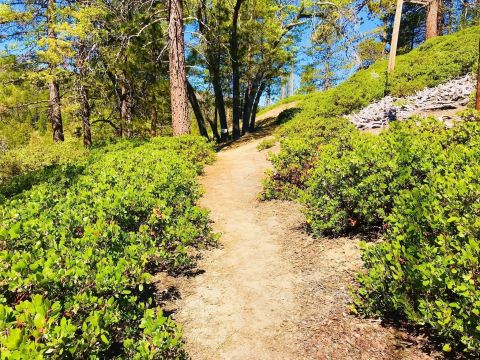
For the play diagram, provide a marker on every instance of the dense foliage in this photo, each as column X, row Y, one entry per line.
column 76, row 260
column 427, row 270
column 417, row 183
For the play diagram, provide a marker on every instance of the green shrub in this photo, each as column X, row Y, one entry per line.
column 356, row 181
column 301, row 141
column 428, row 268
column 75, row 260
column 38, row 154
column 266, row 144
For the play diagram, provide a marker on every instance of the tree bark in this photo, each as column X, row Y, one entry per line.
column 432, row 20
column 214, row 126
column 54, row 87
column 219, row 101
column 153, row 118
column 247, row 106
column 125, row 109
column 196, row 110
column 255, row 106
column 85, row 112
column 177, row 72
column 235, row 71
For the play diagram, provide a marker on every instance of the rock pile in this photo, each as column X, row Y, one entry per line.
column 450, row 95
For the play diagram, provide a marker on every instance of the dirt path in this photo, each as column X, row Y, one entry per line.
column 270, row 291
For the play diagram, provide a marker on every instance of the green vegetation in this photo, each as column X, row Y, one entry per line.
column 75, row 260
column 416, row 183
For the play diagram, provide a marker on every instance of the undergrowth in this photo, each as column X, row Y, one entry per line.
column 416, row 183
column 76, row 260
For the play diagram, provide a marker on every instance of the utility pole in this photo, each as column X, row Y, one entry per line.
column 396, row 26
column 396, row 29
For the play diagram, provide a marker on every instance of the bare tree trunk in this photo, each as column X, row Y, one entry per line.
column 235, row 71
column 247, row 104
column 396, row 29
column 85, row 112
column 292, row 77
column 432, row 19
column 177, row 72
column 125, row 109
column 327, row 80
column 269, row 95
column 283, row 89
column 153, row 118
column 255, row 106
column 196, row 110
column 220, row 102
column 54, row 102
column 214, row 126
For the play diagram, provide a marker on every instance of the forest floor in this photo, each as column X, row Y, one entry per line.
column 269, row 290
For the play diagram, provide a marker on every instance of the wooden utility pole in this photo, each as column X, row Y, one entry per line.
column 432, row 12
column 396, row 29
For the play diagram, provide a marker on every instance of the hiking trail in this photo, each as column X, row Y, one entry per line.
column 270, row 291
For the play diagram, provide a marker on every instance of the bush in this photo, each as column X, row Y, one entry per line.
column 75, row 261
column 428, row 268
column 301, row 141
column 38, row 154
column 356, row 181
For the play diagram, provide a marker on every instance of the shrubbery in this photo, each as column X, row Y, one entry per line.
column 428, row 268
column 417, row 183
column 75, row 260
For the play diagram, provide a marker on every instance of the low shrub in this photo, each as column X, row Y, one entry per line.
column 266, row 144
column 75, row 261
column 355, row 181
column 428, row 269
column 301, row 141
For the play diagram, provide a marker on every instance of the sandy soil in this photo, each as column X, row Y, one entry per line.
column 269, row 291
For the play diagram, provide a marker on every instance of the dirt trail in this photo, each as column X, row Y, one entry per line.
column 270, row 291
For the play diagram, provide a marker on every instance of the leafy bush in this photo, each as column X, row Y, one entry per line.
column 428, row 268
column 75, row 260
column 38, row 154
column 300, row 146
column 266, row 144
column 355, row 181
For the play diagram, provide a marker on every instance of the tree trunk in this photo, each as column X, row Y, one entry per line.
column 247, row 106
column 283, row 89
column 235, row 71
column 255, row 106
column 219, row 101
column 214, row 126
column 177, row 72
column 85, row 112
column 54, row 102
column 125, row 109
column 269, row 95
column 153, row 118
column 432, row 19
column 196, row 110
